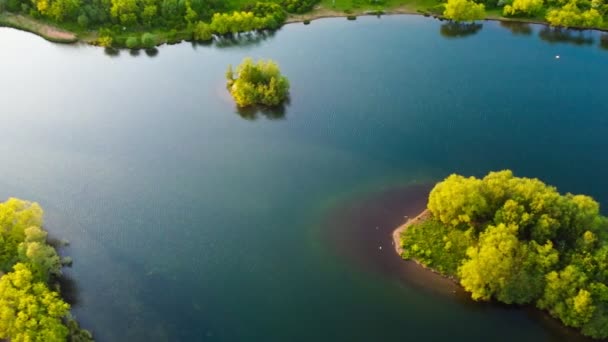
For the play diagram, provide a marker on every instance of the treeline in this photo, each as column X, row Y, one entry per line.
column 561, row 13
column 518, row 241
column 124, row 22
column 30, row 306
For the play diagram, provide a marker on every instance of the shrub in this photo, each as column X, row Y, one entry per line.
column 148, row 40
column 132, row 42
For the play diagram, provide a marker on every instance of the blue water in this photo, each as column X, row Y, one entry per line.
column 190, row 222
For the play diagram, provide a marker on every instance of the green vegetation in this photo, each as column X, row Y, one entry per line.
column 125, row 23
column 29, row 309
column 464, row 10
column 258, row 83
column 518, row 241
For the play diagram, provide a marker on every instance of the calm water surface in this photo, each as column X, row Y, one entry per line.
column 192, row 222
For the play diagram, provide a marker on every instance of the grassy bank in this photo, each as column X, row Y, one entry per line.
column 47, row 31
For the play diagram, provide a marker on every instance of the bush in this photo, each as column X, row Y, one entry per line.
column 299, row 6
column 83, row 20
column 148, row 40
column 202, row 32
column 132, row 42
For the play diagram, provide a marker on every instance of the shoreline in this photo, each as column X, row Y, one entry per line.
column 56, row 34
column 396, row 236
column 402, row 228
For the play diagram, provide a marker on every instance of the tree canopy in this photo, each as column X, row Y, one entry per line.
column 519, row 241
column 29, row 310
column 464, row 10
column 257, row 83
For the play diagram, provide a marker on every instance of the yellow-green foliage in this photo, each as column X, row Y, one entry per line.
column 57, row 9
column 29, row 311
column 464, row 10
column 435, row 245
column 571, row 15
column 529, row 7
column 258, row 83
column 525, row 243
column 502, row 266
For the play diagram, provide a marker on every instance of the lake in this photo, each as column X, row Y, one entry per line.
column 192, row 221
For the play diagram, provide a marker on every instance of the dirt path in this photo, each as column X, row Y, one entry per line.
column 44, row 30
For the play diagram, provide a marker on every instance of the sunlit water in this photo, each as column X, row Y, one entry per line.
column 192, row 222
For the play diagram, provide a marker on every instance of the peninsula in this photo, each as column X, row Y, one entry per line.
column 516, row 241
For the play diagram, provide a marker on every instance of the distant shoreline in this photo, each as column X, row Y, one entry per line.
column 56, row 34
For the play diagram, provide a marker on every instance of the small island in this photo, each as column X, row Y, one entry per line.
column 517, row 241
column 31, row 307
column 257, row 83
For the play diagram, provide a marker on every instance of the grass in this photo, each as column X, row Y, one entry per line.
column 436, row 246
column 40, row 28
column 371, row 5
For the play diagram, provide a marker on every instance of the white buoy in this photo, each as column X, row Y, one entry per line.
column 557, row 57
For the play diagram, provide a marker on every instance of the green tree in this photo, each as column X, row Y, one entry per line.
column 258, row 83
column 149, row 40
column 202, row 32
column 132, row 42
column 29, row 311
column 570, row 15
column 464, row 10
column 523, row 7
column 458, row 201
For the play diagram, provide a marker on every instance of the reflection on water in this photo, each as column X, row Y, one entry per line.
column 69, row 289
column 243, row 39
column 459, row 30
column 560, row 35
column 604, row 41
column 270, row 113
column 232, row 40
column 153, row 52
column 112, row 52
column 517, row 28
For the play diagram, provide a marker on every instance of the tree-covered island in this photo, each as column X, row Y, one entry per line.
column 31, row 308
column 257, row 83
column 147, row 23
column 518, row 241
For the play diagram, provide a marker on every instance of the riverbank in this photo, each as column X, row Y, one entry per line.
column 54, row 33
column 49, row 32
column 397, row 243
column 401, row 229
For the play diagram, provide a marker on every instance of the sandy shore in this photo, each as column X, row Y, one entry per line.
column 397, row 232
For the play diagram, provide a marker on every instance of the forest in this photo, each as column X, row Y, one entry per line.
column 31, row 307
column 147, row 23
column 518, row 241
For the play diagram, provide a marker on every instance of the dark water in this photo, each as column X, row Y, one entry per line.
column 192, row 222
